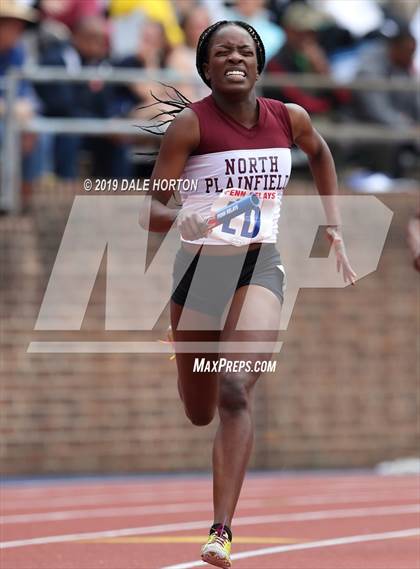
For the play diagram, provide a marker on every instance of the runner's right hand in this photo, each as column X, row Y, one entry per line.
column 191, row 225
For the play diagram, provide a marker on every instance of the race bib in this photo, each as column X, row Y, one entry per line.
column 258, row 225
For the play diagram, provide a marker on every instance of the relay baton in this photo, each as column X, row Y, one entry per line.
column 232, row 210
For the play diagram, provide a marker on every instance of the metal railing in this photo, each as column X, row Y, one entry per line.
column 10, row 174
column 110, row 74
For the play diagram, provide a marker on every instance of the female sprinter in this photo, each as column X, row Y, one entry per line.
column 227, row 140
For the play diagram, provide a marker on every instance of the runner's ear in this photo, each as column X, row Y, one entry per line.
column 206, row 71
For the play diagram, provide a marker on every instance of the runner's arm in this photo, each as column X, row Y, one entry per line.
column 321, row 162
column 322, row 166
column 178, row 142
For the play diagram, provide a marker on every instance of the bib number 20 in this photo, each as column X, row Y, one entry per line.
column 250, row 226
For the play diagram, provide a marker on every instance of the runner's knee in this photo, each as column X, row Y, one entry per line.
column 233, row 391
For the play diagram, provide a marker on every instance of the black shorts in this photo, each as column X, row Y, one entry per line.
column 207, row 282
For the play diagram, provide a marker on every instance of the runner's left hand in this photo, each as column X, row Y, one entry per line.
column 343, row 263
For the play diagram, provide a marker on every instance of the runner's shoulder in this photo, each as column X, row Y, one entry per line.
column 185, row 129
column 186, row 119
column 299, row 119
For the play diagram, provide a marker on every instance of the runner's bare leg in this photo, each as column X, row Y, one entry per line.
column 234, row 437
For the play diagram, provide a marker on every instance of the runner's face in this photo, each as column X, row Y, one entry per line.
column 232, row 61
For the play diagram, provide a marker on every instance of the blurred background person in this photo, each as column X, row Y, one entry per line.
column 151, row 55
column 89, row 47
column 182, row 57
column 415, row 30
column 127, row 17
column 388, row 58
column 413, row 239
column 14, row 18
column 59, row 17
column 255, row 13
column 358, row 17
column 135, row 99
column 303, row 53
column 69, row 12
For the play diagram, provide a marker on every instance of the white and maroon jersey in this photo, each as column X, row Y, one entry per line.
column 232, row 161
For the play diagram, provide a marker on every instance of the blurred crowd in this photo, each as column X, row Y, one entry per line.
column 334, row 38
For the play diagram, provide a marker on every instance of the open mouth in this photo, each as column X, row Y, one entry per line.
column 235, row 73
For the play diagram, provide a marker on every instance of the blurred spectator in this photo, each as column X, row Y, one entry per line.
column 159, row 10
column 390, row 58
column 302, row 53
column 387, row 59
column 359, row 17
column 413, row 239
column 415, row 30
column 215, row 8
column 401, row 10
column 182, row 58
column 183, row 7
column 278, row 7
column 152, row 53
column 135, row 99
column 88, row 47
column 14, row 17
column 254, row 12
column 69, row 12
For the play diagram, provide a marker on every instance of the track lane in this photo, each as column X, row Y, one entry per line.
column 301, row 497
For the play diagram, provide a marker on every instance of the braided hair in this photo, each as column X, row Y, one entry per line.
column 179, row 102
column 204, row 42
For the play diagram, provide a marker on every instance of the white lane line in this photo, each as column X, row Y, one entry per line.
column 114, row 496
column 309, row 545
column 116, row 512
column 383, row 496
column 151, row 509
column 119, row 497
column 246, row 520
column 332, row 486
column 105, row 534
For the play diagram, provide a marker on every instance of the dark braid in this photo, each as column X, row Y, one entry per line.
column 180, row 102
column 204, row 41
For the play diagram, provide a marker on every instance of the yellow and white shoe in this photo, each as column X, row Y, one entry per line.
column 217, row 550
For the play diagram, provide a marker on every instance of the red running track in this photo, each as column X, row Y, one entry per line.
column 293, row 522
